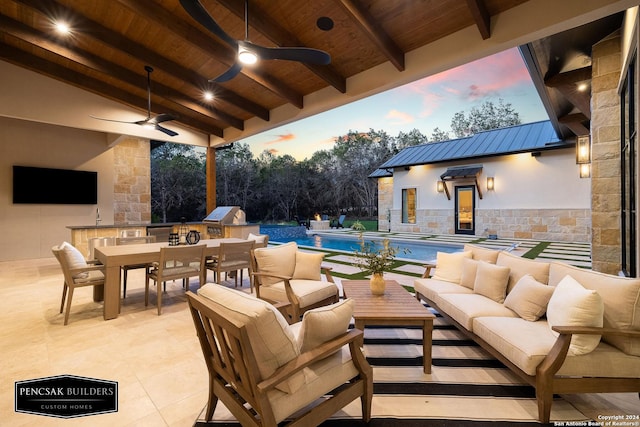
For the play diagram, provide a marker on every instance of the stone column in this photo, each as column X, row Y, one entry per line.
column 132, row 182
column 605, row 155
column 385, row 202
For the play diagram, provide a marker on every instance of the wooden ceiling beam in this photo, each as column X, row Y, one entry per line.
column 575, row 123
column 94, row 62
column 375, row 32
column 567, row 84
column 481, row 16
column 193, row 35
column 74, row 78
column 269, row 28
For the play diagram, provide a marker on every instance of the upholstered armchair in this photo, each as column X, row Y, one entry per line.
column 283, row 274
column 266, row 371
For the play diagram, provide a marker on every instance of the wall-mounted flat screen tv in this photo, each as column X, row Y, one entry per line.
column 54, row 186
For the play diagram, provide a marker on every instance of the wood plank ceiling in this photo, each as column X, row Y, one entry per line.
column 111, row 41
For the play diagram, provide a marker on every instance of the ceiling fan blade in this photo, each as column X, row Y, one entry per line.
column 300, row 54
column 165, row 130
column 164, row 117
column 200, row 14
column 233, row 71
column 111, row 120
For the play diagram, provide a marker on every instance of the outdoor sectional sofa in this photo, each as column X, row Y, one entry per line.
column 560, row 328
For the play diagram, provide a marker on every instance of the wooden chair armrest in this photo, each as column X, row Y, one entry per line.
column 326, row 270
column 307, row 358
column 275, row 276
column 94, row 262
column 428, row 267
column 592, row 330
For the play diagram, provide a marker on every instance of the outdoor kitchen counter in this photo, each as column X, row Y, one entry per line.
column 81, row 234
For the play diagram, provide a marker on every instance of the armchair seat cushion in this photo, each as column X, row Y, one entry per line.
column 308, row 292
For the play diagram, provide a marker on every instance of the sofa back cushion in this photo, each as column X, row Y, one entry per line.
column 272, row 341
column 621, row 298
column 520, row 266
column 449, row 266
column 279, row 260
column 482, row 254
column 573, row 305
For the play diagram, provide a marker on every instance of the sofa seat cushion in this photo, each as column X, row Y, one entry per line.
column 521, row 266
column 463, row 308
column 526, row 344
column 432, row 288
column 308, row 291
column 620, row 296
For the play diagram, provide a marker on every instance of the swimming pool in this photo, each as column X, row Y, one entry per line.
column 416, row 251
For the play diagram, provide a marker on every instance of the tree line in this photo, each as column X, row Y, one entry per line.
column 279, row 188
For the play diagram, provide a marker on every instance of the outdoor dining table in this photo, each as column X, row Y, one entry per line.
column 114, row 257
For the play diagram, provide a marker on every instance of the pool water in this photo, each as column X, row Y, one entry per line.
column 414, row 250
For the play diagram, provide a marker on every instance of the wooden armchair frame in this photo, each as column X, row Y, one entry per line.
column 234, row 376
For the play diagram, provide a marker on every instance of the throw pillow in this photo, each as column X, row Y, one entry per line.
column 449, row 266
column 573, row 305
column 257, row 238
column 75, row 259
column 520, row 266
column 469, row 270
column 308, row 265
column 491, row 281
column 279, row 260
column 529, row 298
column 324, row 323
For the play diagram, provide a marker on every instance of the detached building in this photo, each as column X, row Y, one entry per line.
column 519, row 182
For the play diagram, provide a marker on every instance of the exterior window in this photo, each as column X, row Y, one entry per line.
column 409, row 205
column 629, row 177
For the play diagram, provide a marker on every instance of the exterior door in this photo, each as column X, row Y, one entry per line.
column 465, row 209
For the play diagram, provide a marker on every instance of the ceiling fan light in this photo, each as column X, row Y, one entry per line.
column 246, row 56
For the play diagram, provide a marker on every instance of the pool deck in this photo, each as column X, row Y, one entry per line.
column 406, row 270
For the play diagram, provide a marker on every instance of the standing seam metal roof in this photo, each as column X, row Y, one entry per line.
column 515, row 139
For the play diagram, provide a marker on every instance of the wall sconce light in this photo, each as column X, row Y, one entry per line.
column 583, row 149
column 585, row 170
column 490, row 183
column 440, row 186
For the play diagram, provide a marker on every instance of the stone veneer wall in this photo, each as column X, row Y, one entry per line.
column 385, row 202
column 132, row 182
column 605, row 155
column 558, row 225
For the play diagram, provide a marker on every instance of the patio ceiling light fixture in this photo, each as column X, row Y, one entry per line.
column 246, row 56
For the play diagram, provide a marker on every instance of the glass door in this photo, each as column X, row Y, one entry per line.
column 465, row 209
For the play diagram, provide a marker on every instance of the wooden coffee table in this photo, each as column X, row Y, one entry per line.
column 396, row 307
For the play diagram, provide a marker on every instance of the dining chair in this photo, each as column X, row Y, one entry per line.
column 125, row 268
column 176, row 262
column 77, row 273
column 232, row 257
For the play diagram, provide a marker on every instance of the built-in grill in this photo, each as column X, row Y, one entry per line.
column 222, row 219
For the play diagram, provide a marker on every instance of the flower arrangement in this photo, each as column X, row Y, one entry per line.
column 372, row 259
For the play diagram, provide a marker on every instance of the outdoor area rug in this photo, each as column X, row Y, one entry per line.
column 467, row 386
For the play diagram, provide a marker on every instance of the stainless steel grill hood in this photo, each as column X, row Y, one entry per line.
column 226, row 215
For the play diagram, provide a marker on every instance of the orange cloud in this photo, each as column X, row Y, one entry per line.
column 281, row 138
column 399, row 117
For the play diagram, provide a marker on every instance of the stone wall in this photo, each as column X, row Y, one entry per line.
column 605, row 155
column 558, row 225
column 385, row 202
column 132, row 182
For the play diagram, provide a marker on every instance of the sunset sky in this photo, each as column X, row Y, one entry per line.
column 423, row 105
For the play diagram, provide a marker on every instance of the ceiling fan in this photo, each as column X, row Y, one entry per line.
column 149, row 122
column 249, row 53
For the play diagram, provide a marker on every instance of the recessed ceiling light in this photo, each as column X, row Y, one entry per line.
column 208, row 96
column 324, row 23
column 62, row 27
column 582, row 87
